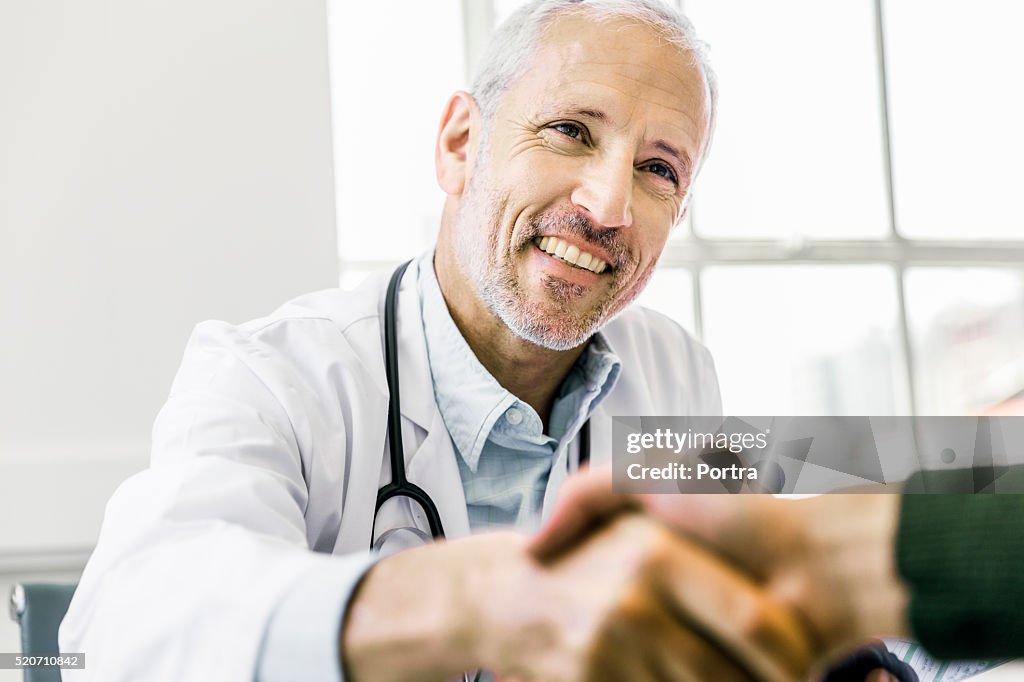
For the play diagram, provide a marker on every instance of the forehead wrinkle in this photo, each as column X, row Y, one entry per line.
column 688, row 91
column 565, row 37
column 627, row 69
column 635, row 100
column 683, row 81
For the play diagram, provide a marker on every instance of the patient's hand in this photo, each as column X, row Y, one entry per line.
column 830, row 558
column 634, row 601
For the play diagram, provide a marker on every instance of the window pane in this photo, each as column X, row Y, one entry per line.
column 798, row 148
column 385, row 108
column 967, row 331
column 957, row 107
column 670, row 292
column 805, row 339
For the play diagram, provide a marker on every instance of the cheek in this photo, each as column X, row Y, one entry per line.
column 640, row 281
column 653, row 227
column 651, row 237
column 633, row 290
column 531, row 190
column 540, row 177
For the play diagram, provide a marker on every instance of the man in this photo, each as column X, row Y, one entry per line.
column 564, row 172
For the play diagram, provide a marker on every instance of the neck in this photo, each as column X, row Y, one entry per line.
column 528, row 371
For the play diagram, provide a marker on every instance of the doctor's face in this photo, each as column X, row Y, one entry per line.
column 585, row 169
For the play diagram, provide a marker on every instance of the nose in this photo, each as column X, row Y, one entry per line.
column 605, row 190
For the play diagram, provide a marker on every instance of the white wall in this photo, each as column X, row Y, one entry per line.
column 161, row 163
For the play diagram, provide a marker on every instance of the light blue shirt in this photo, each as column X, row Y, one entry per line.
column 505, row 461
column 505, row 458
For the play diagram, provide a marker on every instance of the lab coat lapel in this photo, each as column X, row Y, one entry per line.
column 600, row 454
column 432, row 466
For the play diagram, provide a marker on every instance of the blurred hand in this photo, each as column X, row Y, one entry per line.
column 830, row 558
column 633, row 601
column 637, row 602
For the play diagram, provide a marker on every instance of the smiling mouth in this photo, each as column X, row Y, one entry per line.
column 562, row 250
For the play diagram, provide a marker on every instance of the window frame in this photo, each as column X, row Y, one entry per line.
column 693, row 252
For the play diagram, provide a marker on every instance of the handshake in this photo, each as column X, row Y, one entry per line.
column 641, row 588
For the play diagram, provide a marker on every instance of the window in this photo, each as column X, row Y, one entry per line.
column 805, row 339
column 386, row 107
column 798, row 136
column 967, row 336
column 957, row 108
column 855, row 244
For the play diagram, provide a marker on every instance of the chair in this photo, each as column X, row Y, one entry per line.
column 39, row 608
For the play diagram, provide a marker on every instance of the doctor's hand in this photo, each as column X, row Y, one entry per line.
column 633, row 601
column 830, row 557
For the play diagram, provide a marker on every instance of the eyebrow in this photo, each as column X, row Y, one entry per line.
column 595, row 114
column 682, row 158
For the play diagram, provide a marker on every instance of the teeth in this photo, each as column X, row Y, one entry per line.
column 570, row 254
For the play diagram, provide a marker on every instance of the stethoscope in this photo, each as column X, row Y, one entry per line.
column 400, row 485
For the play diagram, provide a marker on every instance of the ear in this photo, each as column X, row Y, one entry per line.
column 457, row 140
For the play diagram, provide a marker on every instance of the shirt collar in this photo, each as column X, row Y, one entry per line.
column 469, row 398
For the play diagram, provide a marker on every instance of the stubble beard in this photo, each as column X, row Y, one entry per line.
column 552, row 323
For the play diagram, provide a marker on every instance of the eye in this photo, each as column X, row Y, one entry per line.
column 570, row 130
column 663, row 170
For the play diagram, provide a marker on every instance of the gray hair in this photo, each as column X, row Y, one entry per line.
column 514, row 41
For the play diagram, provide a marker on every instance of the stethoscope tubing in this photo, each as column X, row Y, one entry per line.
column 400, row 485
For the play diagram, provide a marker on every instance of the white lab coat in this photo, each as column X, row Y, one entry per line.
column 272, row 444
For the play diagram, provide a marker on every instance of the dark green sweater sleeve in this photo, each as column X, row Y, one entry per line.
column 962, row 558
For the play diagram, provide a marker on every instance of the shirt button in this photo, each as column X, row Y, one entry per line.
column 514, row 416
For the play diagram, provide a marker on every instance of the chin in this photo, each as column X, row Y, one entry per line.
column 540, row 305
column 546, row 320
